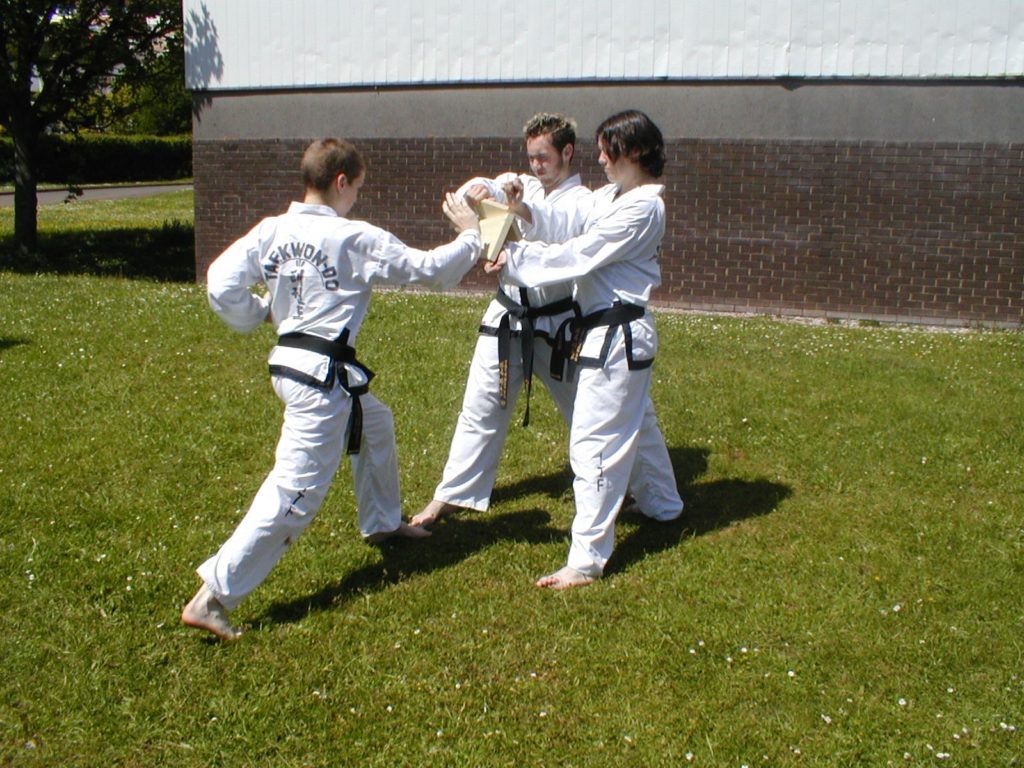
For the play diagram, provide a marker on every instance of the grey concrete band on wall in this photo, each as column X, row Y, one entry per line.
column 971, row 111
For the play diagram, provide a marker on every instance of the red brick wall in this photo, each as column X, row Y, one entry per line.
column 894, row 231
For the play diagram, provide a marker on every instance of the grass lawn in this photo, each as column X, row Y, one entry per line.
column 842, row 591
column 150, row 237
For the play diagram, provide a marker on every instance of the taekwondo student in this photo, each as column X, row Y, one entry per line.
column 614, row 263
column 496, row 374
column 318, row 267
column 533, row 316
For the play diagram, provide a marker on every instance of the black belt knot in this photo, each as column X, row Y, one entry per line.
column 340, row 353
column 525, row 314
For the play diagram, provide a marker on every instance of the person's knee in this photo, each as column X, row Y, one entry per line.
column 299, row 506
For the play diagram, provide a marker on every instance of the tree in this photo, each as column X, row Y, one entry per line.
column 57, row 55
column 151, row 99
column 159, row 104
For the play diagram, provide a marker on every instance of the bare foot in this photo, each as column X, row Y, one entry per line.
column 564, row 579
column 204, row 611
column 433, row 512
column 405, row 530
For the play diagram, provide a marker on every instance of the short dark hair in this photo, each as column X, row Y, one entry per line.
column 560, row 128
column 324, row 159
column 633, row 133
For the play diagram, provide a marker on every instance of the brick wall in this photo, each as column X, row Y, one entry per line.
column 908, row 232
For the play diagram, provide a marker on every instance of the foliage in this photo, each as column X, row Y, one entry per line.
column 56, row 54
column 150, row 99
column 91, row 158
column 54, row 57
column 844, row 589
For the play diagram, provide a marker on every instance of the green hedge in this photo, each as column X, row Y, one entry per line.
column 98, row 159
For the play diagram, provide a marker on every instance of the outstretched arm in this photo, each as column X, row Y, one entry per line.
column 630, row 232
column 388, row 260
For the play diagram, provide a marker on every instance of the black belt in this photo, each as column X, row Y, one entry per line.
column 526, row 315
column 616, row 314
column 340, row 352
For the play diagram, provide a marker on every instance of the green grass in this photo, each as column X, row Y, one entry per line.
column 844, row 590
column 149, row 237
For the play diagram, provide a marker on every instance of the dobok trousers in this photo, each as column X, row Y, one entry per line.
column 483, row 423
column 313, row 436
column 482, row 426
column 615, row 447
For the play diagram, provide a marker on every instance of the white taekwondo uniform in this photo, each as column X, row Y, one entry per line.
column 487, row 407
column 614, row 263
column 318, row 268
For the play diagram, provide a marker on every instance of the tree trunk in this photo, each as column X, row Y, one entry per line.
column 26, row 218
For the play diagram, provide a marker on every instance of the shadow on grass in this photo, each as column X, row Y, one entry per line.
column 462, row 536
column 8, row 343
column 552, row 485
column 165, row 253
column 687, row 463
column 709, row 506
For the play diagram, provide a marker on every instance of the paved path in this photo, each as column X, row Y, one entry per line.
column 52, row 197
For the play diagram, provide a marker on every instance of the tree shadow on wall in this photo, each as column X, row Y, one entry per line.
column 203, row 57
column 165, row 253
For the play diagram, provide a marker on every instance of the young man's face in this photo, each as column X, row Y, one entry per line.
column 550, row 166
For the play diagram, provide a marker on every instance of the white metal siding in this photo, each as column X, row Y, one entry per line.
column 247, row 44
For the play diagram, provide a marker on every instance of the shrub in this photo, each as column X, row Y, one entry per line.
column 90, row 159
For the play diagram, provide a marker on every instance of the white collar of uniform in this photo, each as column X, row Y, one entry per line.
column 569, row 183
column 313, row 209
column 645, row 190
